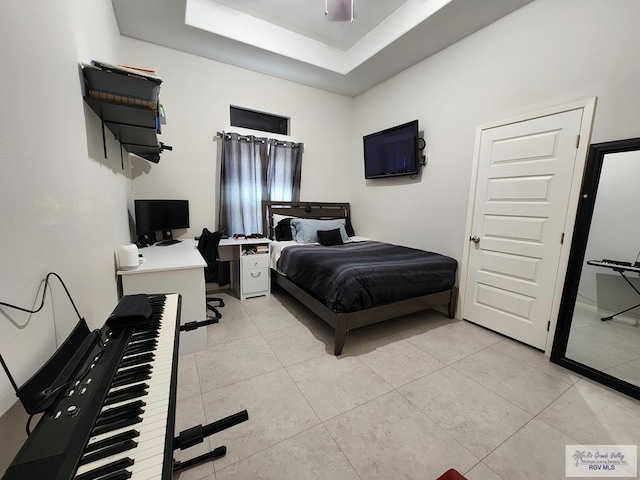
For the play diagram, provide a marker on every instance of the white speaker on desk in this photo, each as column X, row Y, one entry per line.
column 127, row 257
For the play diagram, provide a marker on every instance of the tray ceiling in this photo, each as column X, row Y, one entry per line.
column 292, row 39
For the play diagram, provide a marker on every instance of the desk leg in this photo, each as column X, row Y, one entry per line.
column 232, row 254
column 187, row 282
column 235, row 278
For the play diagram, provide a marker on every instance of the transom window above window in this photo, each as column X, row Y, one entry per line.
column 264, row 122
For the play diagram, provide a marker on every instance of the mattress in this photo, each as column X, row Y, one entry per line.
column 360, row 275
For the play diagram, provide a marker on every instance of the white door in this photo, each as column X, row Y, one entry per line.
column 525, row 172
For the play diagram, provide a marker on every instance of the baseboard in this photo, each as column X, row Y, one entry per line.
column 631, row 320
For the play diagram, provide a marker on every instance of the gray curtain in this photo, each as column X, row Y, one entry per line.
column 243, row 183
column 284, row 171
column 255, row 169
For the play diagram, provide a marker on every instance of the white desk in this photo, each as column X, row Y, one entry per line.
column 250, row 276
column 177, row 268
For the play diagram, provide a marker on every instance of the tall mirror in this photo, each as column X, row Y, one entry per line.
column 598, row 331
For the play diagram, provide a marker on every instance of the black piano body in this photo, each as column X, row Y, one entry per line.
column 106, row 398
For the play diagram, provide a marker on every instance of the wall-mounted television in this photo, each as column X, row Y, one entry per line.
column 161, row 215
column 392, row 152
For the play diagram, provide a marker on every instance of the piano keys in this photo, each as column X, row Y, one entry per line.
column 115, row 419
column 616, row 265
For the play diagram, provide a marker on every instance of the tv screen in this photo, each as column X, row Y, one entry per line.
column 157, row 215
column 392, row 152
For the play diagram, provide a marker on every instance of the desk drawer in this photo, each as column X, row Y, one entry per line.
column 259, row 260
column 255, row 280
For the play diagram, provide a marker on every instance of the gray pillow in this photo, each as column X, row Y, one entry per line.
column 305, row 230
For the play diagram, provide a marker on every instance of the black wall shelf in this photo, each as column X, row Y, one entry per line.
column 127, row 103
column 132, row 125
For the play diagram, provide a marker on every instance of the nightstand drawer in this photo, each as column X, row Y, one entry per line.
column 259, row 260
column 255, row 280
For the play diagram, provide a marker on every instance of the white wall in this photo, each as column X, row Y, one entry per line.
column 547, row 53
column 196, row 94
column 63, row 206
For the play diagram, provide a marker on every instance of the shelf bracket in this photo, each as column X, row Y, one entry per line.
column 104, row 140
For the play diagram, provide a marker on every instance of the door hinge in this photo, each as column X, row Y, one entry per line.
column 562, row 239
column 548, row 325
column 578, row 141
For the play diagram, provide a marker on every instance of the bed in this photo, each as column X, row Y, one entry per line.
column 350, row 281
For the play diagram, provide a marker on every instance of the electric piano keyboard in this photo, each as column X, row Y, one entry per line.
column 616, row 265
column 115, row 420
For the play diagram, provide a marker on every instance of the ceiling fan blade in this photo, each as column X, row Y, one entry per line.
column 339, row 10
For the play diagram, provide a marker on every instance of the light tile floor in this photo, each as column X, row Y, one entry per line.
column 408, row 399
column 612, row 346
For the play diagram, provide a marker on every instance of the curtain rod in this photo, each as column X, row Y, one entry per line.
column 263, row 139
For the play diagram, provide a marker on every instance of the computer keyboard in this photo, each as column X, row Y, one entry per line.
column 165, row 243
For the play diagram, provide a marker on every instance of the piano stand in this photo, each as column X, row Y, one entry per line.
column 621, row 272
column 194, row 325
column 192, row 462
column 195, row 435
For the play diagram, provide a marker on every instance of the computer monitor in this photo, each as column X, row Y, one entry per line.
column 160, row 216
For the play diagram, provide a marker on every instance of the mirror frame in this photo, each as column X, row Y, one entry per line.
column 582, row 227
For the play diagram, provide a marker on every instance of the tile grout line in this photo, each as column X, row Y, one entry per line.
column 269, row 446
column 341, row 451
column 569, row 385
column 397, row 389
column 534, row 417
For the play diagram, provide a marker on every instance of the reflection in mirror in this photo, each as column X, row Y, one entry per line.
column 600, row 336
column 599, row 323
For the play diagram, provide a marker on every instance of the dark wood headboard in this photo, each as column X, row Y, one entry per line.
column 302, row 210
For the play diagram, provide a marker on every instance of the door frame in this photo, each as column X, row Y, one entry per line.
column 588, row 107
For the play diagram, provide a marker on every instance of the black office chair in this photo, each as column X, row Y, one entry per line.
column 208, row 247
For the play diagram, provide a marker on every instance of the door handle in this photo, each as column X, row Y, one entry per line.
column 475, row 239
column 256, row 275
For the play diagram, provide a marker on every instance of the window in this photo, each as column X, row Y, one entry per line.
column 264, row 122
column 255, row 169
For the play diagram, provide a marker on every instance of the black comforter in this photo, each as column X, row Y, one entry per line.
column 359, row 275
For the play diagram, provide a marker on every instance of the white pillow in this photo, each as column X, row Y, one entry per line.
column 277, row 218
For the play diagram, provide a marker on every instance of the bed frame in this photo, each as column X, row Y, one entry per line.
column 343, row 322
